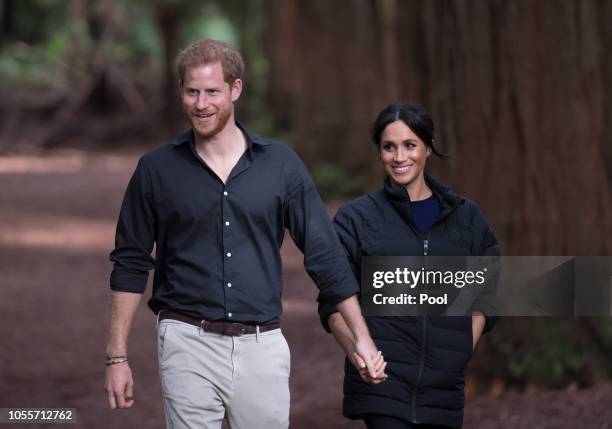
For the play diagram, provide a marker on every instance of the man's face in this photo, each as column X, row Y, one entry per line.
column 208, row 101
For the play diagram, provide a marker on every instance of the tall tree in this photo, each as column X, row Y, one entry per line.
column 520, row 93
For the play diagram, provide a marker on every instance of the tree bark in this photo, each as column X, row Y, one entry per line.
column 520, row 93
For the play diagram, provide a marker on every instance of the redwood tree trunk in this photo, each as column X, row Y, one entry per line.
column 520, row 93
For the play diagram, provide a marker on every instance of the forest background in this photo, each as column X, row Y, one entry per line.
column 520, row 92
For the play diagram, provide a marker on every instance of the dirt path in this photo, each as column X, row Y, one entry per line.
column 57, row 226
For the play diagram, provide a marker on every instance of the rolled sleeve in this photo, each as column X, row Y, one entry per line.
column 135, row 235
column 344, row 227
column 311, row 230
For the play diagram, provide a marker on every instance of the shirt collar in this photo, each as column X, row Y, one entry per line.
column 252, row 138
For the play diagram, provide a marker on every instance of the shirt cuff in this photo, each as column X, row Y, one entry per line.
column 128, row 282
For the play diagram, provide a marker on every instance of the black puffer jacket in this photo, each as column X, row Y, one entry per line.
column 426, row 355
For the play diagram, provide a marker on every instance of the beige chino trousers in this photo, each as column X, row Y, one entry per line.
column 206, row 377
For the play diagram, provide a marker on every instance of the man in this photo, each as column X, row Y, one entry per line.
column 215, row 202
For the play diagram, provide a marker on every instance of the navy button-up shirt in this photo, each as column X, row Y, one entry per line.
column 217, row 246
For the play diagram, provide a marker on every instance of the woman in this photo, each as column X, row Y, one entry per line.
column 412, row 214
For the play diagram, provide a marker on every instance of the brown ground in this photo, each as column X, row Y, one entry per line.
column 57, row 224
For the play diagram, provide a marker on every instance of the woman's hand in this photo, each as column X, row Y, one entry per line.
column 379, row 366
column 478, row 323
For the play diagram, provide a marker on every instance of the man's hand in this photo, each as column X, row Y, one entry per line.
column 379, row 365
column 368, row 354
column 363, row 344
column 119, row 386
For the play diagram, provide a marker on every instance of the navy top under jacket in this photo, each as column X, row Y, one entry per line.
column 425, row 355
column 426, row 212
column 217, row 246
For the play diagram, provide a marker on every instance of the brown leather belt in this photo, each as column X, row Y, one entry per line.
column 222, row 327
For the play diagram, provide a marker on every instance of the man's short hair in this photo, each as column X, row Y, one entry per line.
column 208, row 51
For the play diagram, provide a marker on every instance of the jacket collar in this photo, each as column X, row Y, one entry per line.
column 400, row 200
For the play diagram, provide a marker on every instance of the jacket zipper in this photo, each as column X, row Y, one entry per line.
column 424, row 348
column 420, row 373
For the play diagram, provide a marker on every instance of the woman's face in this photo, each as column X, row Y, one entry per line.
column 403, row 154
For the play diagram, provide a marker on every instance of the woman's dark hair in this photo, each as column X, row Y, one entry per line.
column 414, row 116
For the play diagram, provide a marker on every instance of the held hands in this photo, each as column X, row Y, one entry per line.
column 369, row 363
column 119, row 386
column 362, row 369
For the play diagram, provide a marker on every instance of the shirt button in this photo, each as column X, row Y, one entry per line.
column 226, row 223
column 229, row 314
column 229, row 254
column 225, row 193
column 229, row 285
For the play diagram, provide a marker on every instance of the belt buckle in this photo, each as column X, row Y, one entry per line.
column 208, row 326
column 233, row 329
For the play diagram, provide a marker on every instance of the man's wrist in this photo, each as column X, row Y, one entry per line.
column 361, row 333
column 114, row 360
column 116, row 351
column 116, row 356
column 359, row 338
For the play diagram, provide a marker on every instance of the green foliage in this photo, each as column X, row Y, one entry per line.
column 40, row 65
column 335, row 182
column 144, row 39
column 55, row 46
column 209, row 22
column 554, row 352
column 49, row 63
column 34, row 20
